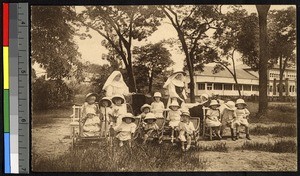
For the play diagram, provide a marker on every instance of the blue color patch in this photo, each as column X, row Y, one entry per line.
column 7, row 153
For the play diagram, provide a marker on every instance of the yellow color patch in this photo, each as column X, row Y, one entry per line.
column 5, row 68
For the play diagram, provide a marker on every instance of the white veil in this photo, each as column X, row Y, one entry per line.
column 176, row 82
column 110, row 80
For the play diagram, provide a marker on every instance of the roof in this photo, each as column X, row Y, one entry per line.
column 241, row 73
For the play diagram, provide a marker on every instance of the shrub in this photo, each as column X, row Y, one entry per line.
column 284, row 108
column 47, row 94
column 280, row 131
column 280, row 146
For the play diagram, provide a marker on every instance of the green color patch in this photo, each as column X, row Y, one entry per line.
column 6, row 111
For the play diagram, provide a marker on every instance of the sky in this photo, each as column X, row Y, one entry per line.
column 92, row 50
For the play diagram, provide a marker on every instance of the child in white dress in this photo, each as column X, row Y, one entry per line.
column 213, row 117
column 90, row 116
column 118, row 108
column 186, row 130
column 149, row 126
column 157, row 106
column 125, row 129
column 228, row 116
column 174, row 117
column 145, row 109
column 242, row 114
column 106, row 113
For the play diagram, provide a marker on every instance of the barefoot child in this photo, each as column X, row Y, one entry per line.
column 118, row 108
column 174, row 117
column 228, row 116
column 149, row 126
column 106, row 112
column 242, row 114
column 90, row 116
column 125, row 129
column 213, row 117
column 157, row 106
column 186, row 130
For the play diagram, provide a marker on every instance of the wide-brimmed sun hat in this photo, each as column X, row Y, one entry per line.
column 230, row 105
column 213, row 103
column 240, row 101
column 105, row 99
column 178, row 71
column 128, row 115
column 113, row 99
column 157, row 94
column 185, row 113
column 174, row 103
column 90, row 95
column 150, row 116
column 145, row 106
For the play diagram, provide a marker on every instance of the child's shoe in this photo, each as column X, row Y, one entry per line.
column 183, row 149
column 121, row 144
column 232, row 135
column 188, row 147
column 248, row 136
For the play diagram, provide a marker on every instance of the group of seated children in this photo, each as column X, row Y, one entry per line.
column 233, row 115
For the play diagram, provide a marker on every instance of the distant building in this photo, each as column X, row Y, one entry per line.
column 223, row 84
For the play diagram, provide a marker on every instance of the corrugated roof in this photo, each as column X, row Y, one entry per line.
column 241, row 73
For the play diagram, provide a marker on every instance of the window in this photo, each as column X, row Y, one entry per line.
column 255, row 88
column 236, row 86
column 247, row 87
column 291, row 89
column 270, row 88
column 217, row 86
column 201, row 86
column 227, row 86
column 209, row 86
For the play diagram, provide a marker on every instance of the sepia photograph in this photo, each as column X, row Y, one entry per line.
column 163, row 88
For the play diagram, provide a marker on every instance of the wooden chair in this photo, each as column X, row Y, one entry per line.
column 75, row 119
column 205, row 128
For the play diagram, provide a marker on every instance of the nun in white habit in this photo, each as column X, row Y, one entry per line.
column 175, row 87
column 115, row 85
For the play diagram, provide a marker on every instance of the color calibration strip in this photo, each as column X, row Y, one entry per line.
column 6, row 103
column 16, row 87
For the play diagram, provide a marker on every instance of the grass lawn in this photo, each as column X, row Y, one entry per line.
column 272, row 148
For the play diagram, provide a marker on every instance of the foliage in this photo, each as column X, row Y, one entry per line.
column 48, row 94
column 52, row 44
column 280, row 146
column 120, row 26
column 151, row 61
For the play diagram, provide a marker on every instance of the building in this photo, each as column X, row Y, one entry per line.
column 223, row 84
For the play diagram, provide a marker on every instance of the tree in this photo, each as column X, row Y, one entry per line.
column 227, row 42
column 52, row 44
column 120, row 25
column 191, row 23
column 282, row 31
column 153, row 59
column 263, row 59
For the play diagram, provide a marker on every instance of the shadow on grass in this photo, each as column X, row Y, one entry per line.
column 279, row 146
column 139, row 158
column 279, row 131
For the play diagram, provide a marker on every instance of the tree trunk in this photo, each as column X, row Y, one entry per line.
column 237, row 85
column 263, row 59
column 150, row 82
column 132, row 85
column 192, row 86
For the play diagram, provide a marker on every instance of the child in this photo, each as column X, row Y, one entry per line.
column 106, row 113
column 118, row 108
column 149, row 126
column 125, row 129
column 145, row 109
column 213, row 116
column 90, row 117
column 242, row 114
column 186, row 130
column 157, row 106
column 228, row 116
column 174, row 117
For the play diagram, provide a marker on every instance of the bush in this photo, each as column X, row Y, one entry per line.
column 280, row 131
column 47, row 94
column 280, row 146
column 284, row 108
column 139, row 158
